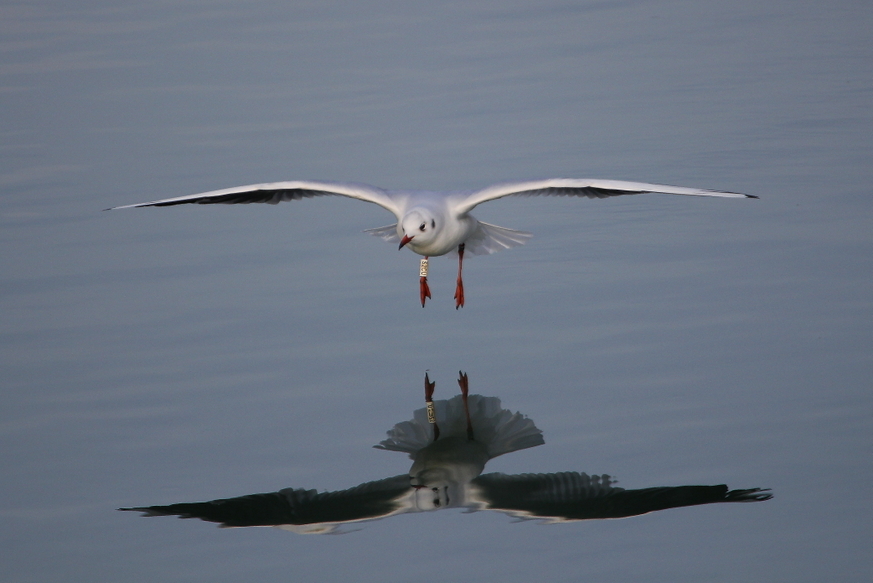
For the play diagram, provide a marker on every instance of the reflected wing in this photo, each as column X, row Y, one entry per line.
column 588, row 187
column 276, row 192
column 296, row 507
column 575, row 496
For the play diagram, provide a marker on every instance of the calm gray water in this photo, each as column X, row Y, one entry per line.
column 178, row 354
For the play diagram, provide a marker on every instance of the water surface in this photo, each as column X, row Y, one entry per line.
column 162, row 355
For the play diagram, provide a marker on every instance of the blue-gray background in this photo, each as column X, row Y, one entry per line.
column 167, row 355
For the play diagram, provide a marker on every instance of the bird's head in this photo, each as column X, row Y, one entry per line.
column 418, row 225
column 432, row 488
column 432, row 478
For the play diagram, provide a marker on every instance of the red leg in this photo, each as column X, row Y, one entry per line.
column 428, row 398
column 424, row 289
column 459, row 290
column 465, row 389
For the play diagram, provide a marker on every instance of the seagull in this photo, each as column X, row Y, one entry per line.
column 431, row 223
column 449, row 442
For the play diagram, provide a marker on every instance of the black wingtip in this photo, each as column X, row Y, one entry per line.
column 749, row 495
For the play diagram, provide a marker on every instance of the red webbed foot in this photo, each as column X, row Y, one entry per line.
column 459, row 289
column 459, row 294
column 424, row 291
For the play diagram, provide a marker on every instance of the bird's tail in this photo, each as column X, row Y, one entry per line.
column 488, row 239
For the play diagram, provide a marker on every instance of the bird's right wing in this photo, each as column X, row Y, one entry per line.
column 275, row 192
column 577, row 496
column 291, row 506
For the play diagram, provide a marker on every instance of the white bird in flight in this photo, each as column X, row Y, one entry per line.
column 435, row 223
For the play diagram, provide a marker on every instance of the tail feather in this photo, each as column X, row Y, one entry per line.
column 387, row 233
column 488, row 239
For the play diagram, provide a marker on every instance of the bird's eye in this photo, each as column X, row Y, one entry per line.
column 422, row 226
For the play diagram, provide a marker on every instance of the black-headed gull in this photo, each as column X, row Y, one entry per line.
column 436, row 223
column 450, row 442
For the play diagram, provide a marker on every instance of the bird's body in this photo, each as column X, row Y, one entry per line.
column 435, row 223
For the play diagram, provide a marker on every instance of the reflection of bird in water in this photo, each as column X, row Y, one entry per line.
column 436, row 223
column 450, row 442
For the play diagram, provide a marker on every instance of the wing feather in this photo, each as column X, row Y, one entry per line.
column 587, row 187
column 578, row 496
column 294, row 506
column 276, row 192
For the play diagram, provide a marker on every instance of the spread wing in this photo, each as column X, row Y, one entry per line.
column 588, row 187
column 276, row 192
column 576, row 496
column 296, row 506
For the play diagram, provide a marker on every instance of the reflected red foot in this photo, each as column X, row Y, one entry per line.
column 459, row 294
column 465, row 389
column 428, row 388
column 424, row 290
column 464, row 384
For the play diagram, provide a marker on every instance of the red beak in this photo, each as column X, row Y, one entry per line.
column 406, row 239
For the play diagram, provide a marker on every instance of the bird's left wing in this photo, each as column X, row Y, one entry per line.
column 276, row 192
column 296, row 506
column 587, row 187
column 577, row 496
